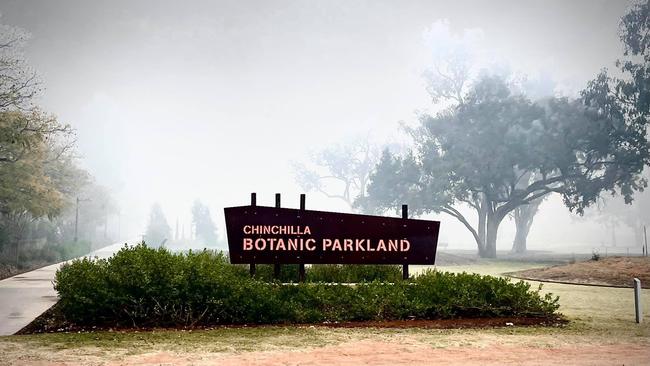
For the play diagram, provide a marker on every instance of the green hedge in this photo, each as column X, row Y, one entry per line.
column 141, row 286
column 352, row 273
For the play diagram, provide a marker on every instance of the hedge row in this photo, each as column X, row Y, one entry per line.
column 140, row 286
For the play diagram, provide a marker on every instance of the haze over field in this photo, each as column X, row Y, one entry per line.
column 213, row 100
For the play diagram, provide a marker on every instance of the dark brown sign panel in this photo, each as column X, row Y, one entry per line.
column 258, row 234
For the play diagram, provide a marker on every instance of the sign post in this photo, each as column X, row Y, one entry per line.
column 253, row 204
column 405, row 267
column 301, row 268
column 276, row 265
column 645, row 238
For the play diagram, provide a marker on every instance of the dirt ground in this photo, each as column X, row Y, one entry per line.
column 612, row 271
column 405, row 351
column 50, row 322
column 382, row 353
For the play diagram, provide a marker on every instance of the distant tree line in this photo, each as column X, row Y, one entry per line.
column 159, row 232
column 40, row 179
column 500, row 151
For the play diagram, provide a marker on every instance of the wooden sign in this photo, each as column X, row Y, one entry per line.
column 258, row 234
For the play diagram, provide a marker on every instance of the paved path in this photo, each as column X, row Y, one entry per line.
column 25, row 296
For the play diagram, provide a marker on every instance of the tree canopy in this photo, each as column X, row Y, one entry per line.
column 18, row 82
column 340, row 171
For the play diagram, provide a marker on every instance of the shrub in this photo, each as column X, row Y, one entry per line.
column 141, row 286
column 69, row 250
column 288, row 272
column 84, row 291
column 350, row 273
column 595, row 256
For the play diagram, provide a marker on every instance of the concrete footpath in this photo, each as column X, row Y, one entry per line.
column 26, row 296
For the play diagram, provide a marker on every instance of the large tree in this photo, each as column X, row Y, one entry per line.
column 498, row 152
column 158, row 230
column 34, row 162
column 31, row 144
column 453, row 72
column 39, row 176
column 485, row 151
column 204, row 228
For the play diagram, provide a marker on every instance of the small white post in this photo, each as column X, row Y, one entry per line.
column 645, row 238
column 637, row 300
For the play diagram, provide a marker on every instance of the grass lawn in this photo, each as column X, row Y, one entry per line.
column 599, row 316
column 589, row 308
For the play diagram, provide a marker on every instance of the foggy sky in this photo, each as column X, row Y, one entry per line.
column 174, row 101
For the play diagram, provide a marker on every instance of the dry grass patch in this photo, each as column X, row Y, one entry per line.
column 612, row 271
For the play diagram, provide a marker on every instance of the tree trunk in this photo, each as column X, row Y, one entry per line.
column 491, row 236
column 519, row 244
column 638, row 234
column 18, row 222
column 481, row 211
column 524, row 216
column 482, row 218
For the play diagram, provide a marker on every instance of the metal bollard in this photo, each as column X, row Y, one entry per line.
column 637, row 300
